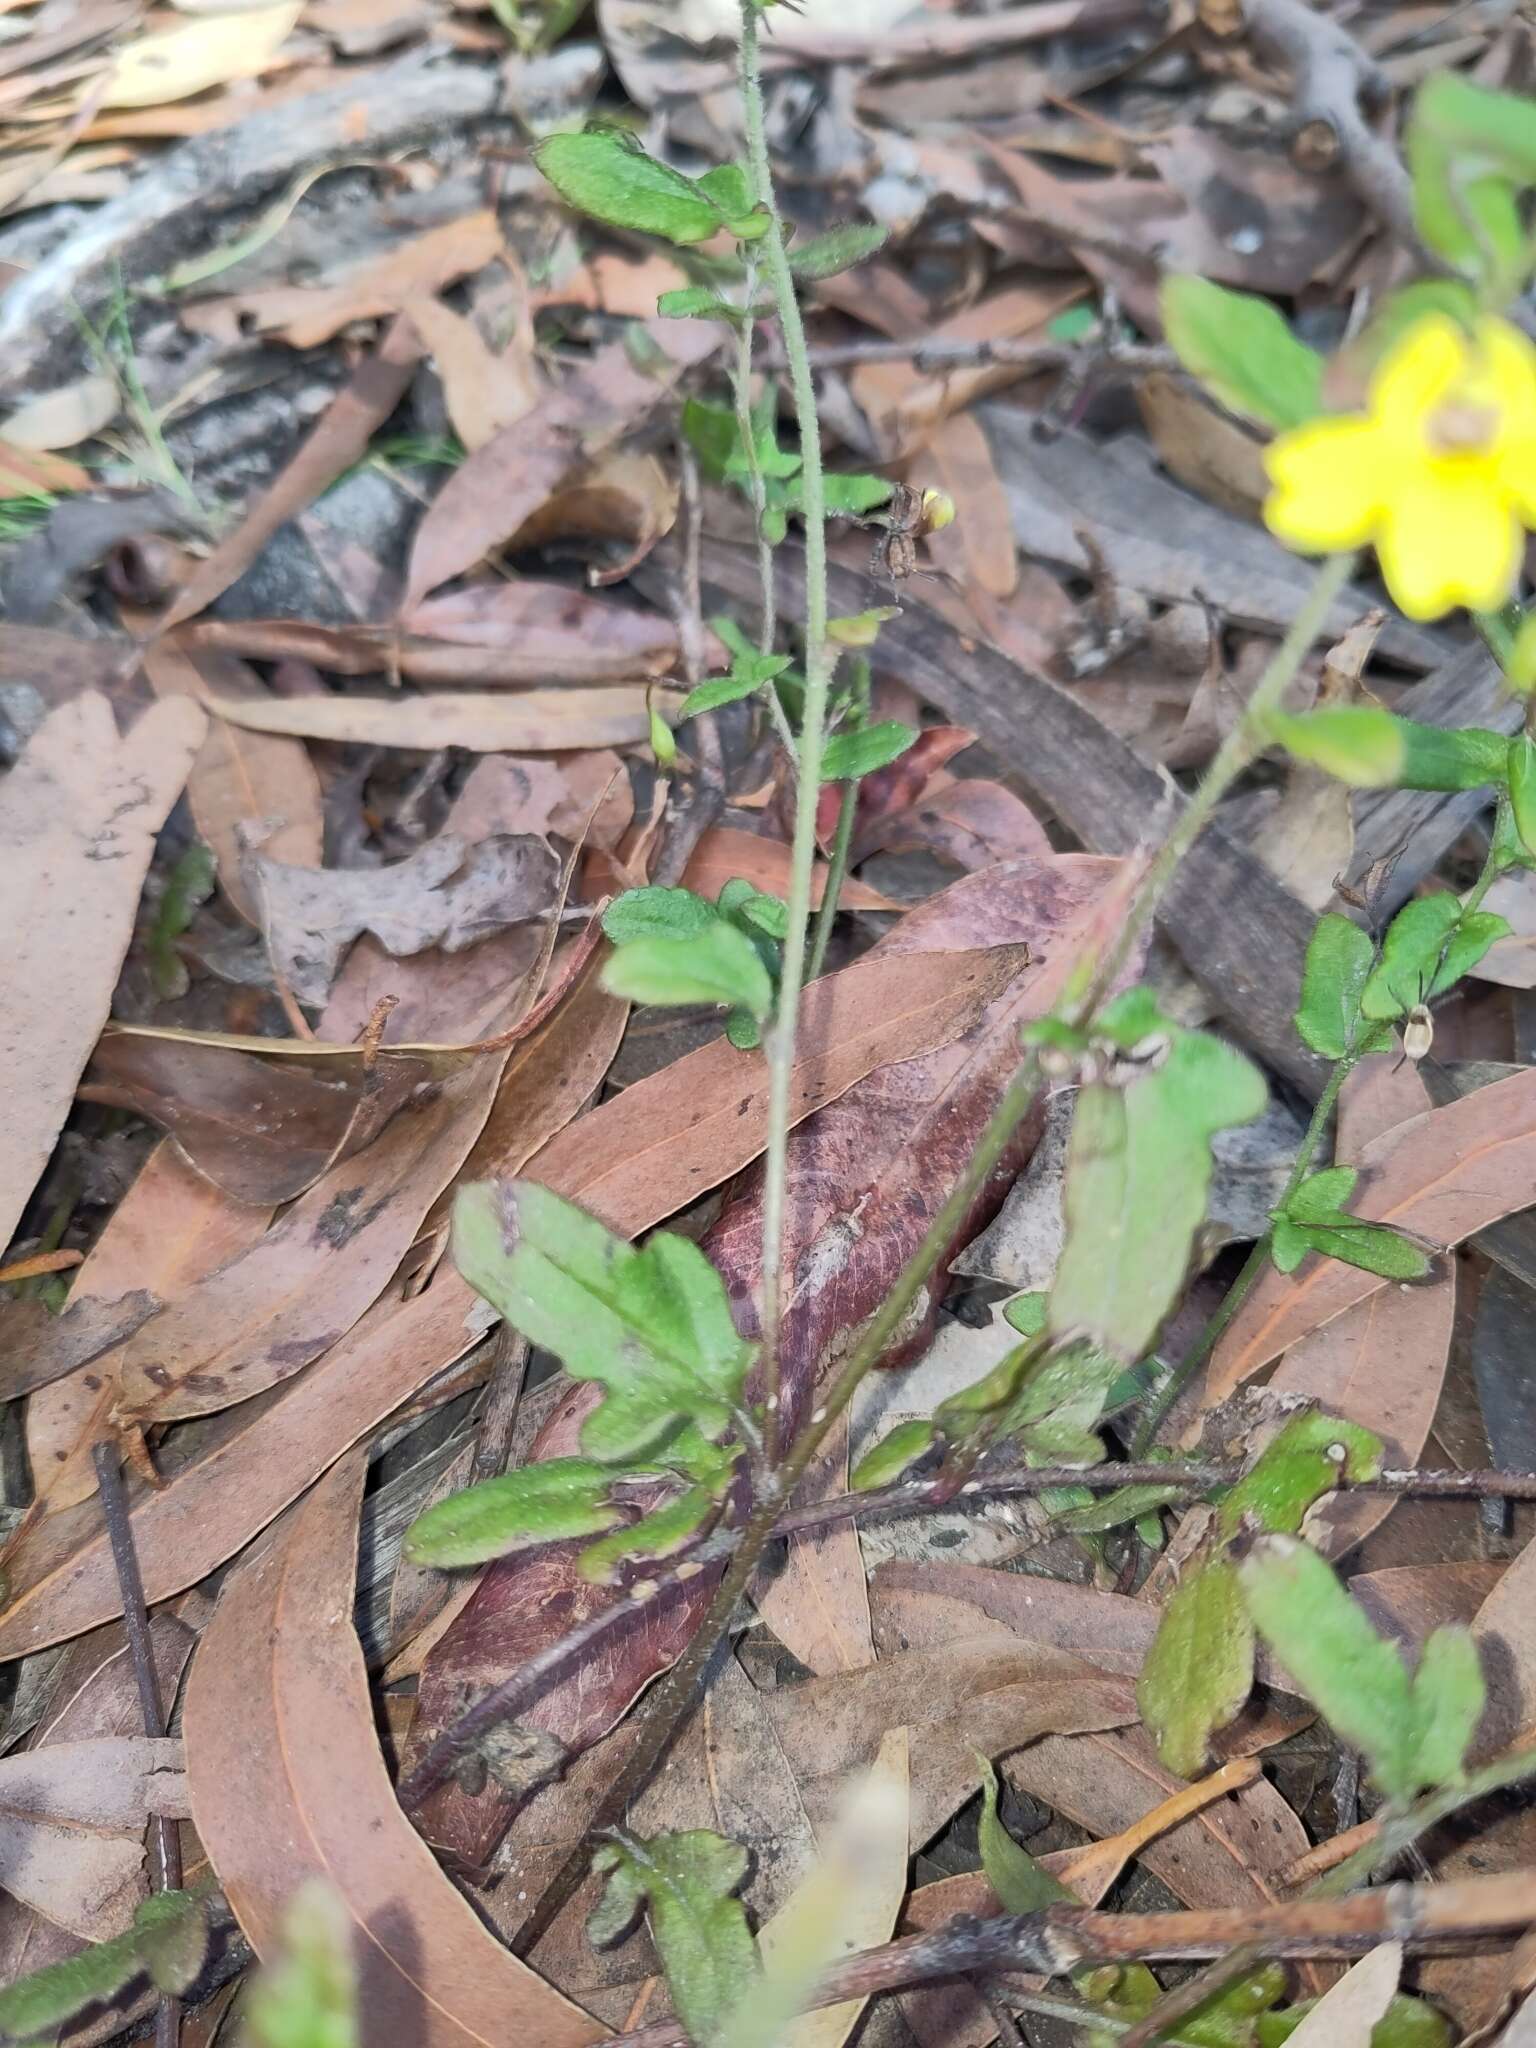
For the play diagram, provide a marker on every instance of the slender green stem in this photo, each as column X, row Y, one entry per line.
column 741, row 390
column 781, row 1037
column 1242, row 745
column 1255, row 1263
column 1493, row 867
column 837, row 866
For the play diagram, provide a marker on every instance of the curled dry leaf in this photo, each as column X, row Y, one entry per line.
column 445, row 894
column 262, row 1130
column 242, row 779
column 884, row 1153
column 78, row 815
column 533, row 721
column 623, row 497
column 288, row 1783
column 1443, row 1175
column 491, row 496
column 72, row 1819
column 261, row 1457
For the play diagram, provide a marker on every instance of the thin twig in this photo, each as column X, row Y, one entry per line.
column 164, row 1840
column 929, row 355
column 499, row 1410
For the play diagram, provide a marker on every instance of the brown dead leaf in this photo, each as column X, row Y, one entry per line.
column 611, row 283
column 169, row 1231
column 970, row 822
column 981, row 540
column 544, row 795
column 623, row 497
column 288, row 1782
column 1505, row 1629
column 492, row 495
column 533, row 721
column 338, row 439
column 1202, row 447
column 66, row 417
column 818, row 1597
column 306, row 315
column 725, row 851
column 559, row 635
column 482, row 390
column 242, row 779
column 173, row 64
column 1346, row 2014
column 265, row 1315
column 78, row 815
column 72, row 1818
column 1443, row 1175
column 261, row 1130
column 36, row 469
column 41, row 1347
column 445, row 894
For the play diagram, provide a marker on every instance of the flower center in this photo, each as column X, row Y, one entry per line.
column 1462, row 427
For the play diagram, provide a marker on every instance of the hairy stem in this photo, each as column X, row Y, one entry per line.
column 781, row 1038
column 848, row 810
column 741, row 391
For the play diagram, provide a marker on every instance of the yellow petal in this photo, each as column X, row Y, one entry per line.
column 1333, row 480
column 1511, row 371
column 1450, row 538
column 1417, row 373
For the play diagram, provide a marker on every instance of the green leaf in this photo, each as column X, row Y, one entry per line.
column 1406, row 2023
column 1373, row 1247
column 190, row 883
column 716, row 965
column 838, row 249
column 1023, row 1885
column 307, row 1998
column 889, row 1458
column 653, row 913
column 698, row 302
column 1075, row 324
column 1327, row 1643
column 743, row 1031
column 1321, row 1196
column 544, row 1503
column 661, row 1533
column 1305, row 1460
column 1339, row 961
column 1355, row 743
column 1199, row 1670
column 1027, row 1313
column 1138, row 1174
column 1449, row 1695
column 850, row 495
column 1288, row 1245
column 1429, row 946
column 166, row 1943
column 711, row 432
column 604, row 172
column 1403, row 309
column 685, row 1882
column 848, row 755
column 711, row 695
column 653, row 1324
column 730, row 189
column 1112, row 1510
column 1522, row 788
column 754, row 909
column 1470, row 151
column 861, row 629
column 1451, row 757
column 1241, row 350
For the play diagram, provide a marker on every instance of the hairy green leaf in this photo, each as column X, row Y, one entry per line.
column 1470, row 152
column 1373, row 1247
column 654, row 913
column 1199, row 1670
column 1327, row 1643
column 698, row 302
column 1449, row 1695
column 1305, row 1460
column 850, row 495
column 1321, row 1196
column 652, row 1324
column 1430, row 944
column 1023, row 1885
column 685, row 1882
column 1241, row 350
column 754, row 909
column 889, row 1458
column 189, row 884
column 1027, row 1313
column 1138, row 1174
column 1339, row 961
column 711, row 695
column 544, row 1503
column 661, row 1533
column 307, row 1998
column 848, row 755
column 716, row 965
column 604, row 172
column 838, row 249
column 166, row 1943
column 1406, row 2023
column 1522, row 788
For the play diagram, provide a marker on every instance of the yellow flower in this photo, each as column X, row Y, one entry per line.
column 1440, row 474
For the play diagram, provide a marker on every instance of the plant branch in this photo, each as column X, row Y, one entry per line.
column 1062, row 1938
